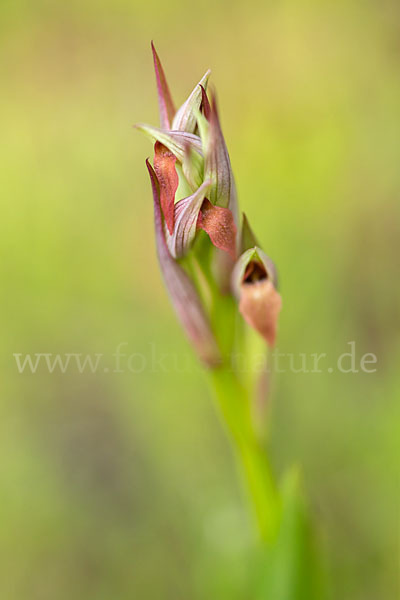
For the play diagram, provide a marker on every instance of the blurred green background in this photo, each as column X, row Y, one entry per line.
column 122, row 485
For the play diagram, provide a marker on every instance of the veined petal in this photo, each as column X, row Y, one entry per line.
column 186, row 215
column 254, row 283
column 182, row 291
column 218, row 222
column 165, row 103
column 164, row 166
column 218, row 165
column 176, row 141
column 185, row 119
column 185, row 146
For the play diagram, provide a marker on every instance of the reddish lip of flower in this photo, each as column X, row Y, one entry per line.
column 164, row 166
column 260, row 305
column 219, row 224
column 182, row 291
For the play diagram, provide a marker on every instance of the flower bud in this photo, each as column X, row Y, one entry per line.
column 254, row 282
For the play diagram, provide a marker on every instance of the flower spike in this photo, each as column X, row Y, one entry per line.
column 165, row 101
column 193, row 189
column 183, row 294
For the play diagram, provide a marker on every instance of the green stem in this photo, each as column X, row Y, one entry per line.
column 234, row 403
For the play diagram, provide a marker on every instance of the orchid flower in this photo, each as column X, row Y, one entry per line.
column 254, row 284
column 194, row 193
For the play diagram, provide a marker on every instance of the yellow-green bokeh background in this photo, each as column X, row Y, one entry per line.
column 122, row 485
